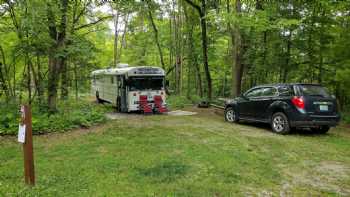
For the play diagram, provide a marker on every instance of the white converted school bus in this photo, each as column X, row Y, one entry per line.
column 131, row 88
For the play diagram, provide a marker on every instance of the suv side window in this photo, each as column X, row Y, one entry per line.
column 284, row 91
column 254, row 93
column 269, row 92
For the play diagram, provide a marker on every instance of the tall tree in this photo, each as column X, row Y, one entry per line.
column 58, row 36
column 237, row 68
column 202, row 14
column 155, row 30
column 3, row 74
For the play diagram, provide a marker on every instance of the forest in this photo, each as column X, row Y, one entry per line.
column 209, row 48
column 211, row 51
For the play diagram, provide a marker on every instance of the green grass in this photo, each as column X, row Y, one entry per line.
column 180, row 156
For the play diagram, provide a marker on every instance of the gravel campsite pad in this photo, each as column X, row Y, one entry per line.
column 181, row 113
column 117, row 116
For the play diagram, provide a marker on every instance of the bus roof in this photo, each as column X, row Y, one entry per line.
column 131, row 71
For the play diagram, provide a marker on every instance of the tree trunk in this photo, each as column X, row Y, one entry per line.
column 224, row 85
column 115, row 55
column 178, row 58
column 264, row 48
column 76, row 82
column 3, row 74
column 237, row 68
column 29, row 81
column 193, row 62
column 259, row 6
column 53, row 77
column 322, row 48
column 55, row 63
column 36, row 81
column 3, row 82
column 172, row 40
column 156, row 36
column 286, row 66
column 202, row 13
column 123, row 41
column 205, row 50
column 39, row 79
column 64, row 79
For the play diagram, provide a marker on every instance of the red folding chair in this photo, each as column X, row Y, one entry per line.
column 158, row 104
column 144, row 106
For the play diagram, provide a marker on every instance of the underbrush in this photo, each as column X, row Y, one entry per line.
column 71, row 114
column 181, row 101
column 346, row 117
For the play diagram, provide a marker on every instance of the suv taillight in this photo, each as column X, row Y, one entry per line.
column 298, row 102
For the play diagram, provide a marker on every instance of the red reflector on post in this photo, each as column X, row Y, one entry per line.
column 298, row 102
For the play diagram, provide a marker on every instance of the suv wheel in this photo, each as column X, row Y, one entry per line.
column 321, row 129
column 231, row 115
column 280, row 123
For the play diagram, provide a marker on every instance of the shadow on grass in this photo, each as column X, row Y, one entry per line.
column 165, row 172
column 294, row 131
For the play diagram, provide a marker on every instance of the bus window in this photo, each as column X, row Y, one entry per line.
column 97, row 78
column 112, row 79
column 146, row 83
column 119, row 81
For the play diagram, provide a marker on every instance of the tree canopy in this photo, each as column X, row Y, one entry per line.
column 209, row 48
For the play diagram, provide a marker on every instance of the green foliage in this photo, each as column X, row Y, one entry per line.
column 346, row 117
column 71, row 114
column 283, row 41
column 175, row 102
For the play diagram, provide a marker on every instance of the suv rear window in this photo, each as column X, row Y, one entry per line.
column 269, row 91
column 313, row 90
column 285, row 91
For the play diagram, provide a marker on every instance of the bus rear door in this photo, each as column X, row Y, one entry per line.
column 122, row 95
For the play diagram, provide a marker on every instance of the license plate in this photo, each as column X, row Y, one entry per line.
column 323, row 107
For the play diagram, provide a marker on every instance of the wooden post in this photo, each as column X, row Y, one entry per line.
column 29, row 175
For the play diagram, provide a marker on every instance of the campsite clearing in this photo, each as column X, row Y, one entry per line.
column 198, row 155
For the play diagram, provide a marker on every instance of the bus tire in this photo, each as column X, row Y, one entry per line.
column 98, row 97
column 118, row 107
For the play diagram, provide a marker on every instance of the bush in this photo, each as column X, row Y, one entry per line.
column 71, row 114
column 177, row 101
column 181, row 101
column 196, row 99
column 346, row 117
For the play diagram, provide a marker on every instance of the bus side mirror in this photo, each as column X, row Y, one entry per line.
column 127, row 82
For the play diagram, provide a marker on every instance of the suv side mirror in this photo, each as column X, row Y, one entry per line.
column 245, row 97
